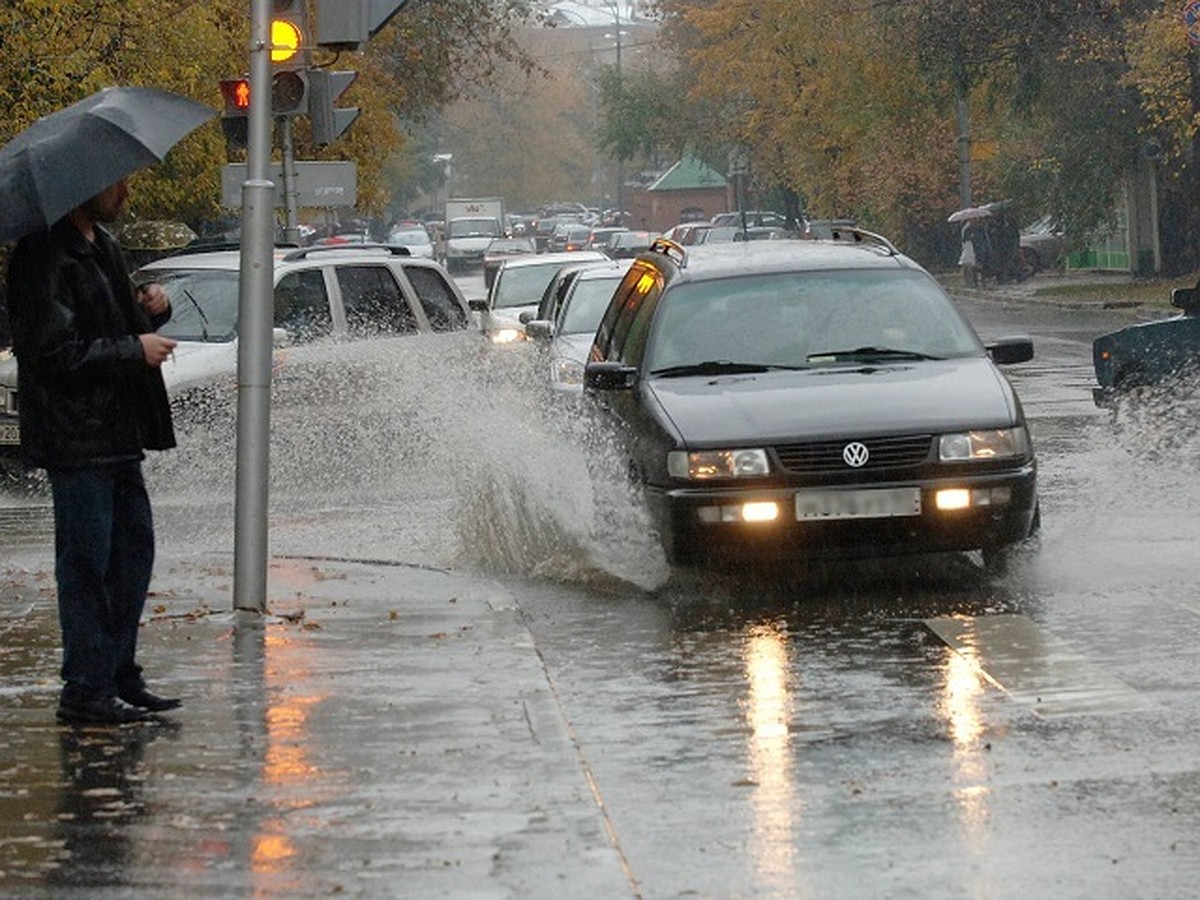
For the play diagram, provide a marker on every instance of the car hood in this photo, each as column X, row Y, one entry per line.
column 813, row 404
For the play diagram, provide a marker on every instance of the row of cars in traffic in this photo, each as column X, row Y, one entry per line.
column 778, row 398
column 784, row 399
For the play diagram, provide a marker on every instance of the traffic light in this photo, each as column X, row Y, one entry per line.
column 328, row 121
column 234, row 122
column 348, row 24
column 236, row 93
column 289, row 92
column 289, row 34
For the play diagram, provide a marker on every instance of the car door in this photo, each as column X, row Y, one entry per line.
column 439, row 300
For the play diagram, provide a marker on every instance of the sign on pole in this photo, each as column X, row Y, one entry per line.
column 319, row 184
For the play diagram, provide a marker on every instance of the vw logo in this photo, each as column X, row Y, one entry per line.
column 856, row 454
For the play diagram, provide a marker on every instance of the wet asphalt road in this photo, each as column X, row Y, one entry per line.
column 900, row 729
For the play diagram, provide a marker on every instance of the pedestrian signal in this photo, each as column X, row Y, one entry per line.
column 236, row 93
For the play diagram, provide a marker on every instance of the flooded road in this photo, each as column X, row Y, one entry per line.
column 903, row 728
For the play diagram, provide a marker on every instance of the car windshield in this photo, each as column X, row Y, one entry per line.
column 522, row 285
column 587, row 303
column 204, row 303
column 473, row 228
column 804, row 319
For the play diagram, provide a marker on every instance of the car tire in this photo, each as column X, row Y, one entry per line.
column 996, row 559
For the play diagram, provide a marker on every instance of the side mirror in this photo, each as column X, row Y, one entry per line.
column 1187, row 300
column 1009, row 350
column 478, row 304
column 609, row 376
column 539, row 329
column 526, row 317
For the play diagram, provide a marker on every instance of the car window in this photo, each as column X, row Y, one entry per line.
column 302, row 305
column 788, row 319
column 628, row 294
column 522, row 285
column 373, row 302
column 204, row 303
column 437, row 298
column 586, row 304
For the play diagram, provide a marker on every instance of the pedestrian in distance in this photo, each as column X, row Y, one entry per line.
column 92, row 401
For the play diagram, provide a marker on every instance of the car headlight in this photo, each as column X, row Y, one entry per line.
column 994, row 443
column 507, row 335
column 704, row 464
column 566, row 371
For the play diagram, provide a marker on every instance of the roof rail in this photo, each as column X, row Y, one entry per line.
column 670, row 249
column 305, row 252
column 202, row 246
column 859, row 235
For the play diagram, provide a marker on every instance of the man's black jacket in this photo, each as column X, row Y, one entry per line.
column 87, row 396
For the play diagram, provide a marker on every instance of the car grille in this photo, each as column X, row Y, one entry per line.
column 826, row 456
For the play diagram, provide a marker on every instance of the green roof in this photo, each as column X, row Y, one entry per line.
column 688, row 174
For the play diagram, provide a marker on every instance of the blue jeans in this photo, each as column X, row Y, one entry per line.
column 104, row 553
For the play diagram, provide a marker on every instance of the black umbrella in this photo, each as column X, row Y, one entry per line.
column 68, row 156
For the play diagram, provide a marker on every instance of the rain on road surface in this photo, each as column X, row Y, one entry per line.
column 912, row 728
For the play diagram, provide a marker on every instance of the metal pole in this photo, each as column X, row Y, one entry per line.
column 291, row 203
column 255, row 329
column 964, row 148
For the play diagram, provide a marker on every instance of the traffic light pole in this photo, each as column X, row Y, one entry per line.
column 290, row 192
column 255, row 330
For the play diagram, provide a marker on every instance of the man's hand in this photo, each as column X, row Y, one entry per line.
column 153, row 298
column 156, row 348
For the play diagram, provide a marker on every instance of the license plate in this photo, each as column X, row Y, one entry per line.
column 879, row 503
column 10, row 433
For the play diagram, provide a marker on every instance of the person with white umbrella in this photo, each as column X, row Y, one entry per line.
column 89, row 380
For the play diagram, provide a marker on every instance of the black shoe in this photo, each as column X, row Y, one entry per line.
column 101, row 710
column 151, row 702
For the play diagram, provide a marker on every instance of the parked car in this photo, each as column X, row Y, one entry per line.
column 629, row 244
column 501, row 249
column 1043, row 246
column 566, row 321
column 688, row 233
column 719, row 234
column 517, row 289
column 1148, row 353
column 799, row 399
column 825, row 229
column 749, row 218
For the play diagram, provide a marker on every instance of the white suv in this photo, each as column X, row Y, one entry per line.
column 347, row 290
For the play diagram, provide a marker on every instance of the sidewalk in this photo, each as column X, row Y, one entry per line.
column 385, row 732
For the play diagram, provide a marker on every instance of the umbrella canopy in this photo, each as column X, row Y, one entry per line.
column 64, row 158
column 971, row 212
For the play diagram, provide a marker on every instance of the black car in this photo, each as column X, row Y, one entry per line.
column 811, row 399
column 1148, row 353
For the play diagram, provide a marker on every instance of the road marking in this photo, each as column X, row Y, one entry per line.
column 1034, row 667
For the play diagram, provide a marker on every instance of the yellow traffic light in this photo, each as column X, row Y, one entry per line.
column 286, row 40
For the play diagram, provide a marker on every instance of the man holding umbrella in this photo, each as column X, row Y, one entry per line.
column 91, row 389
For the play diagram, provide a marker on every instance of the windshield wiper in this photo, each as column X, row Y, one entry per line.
column 718, row 367
column 870, row 353
column 199, row 312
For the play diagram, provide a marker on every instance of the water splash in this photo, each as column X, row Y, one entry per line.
column 431, row 449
